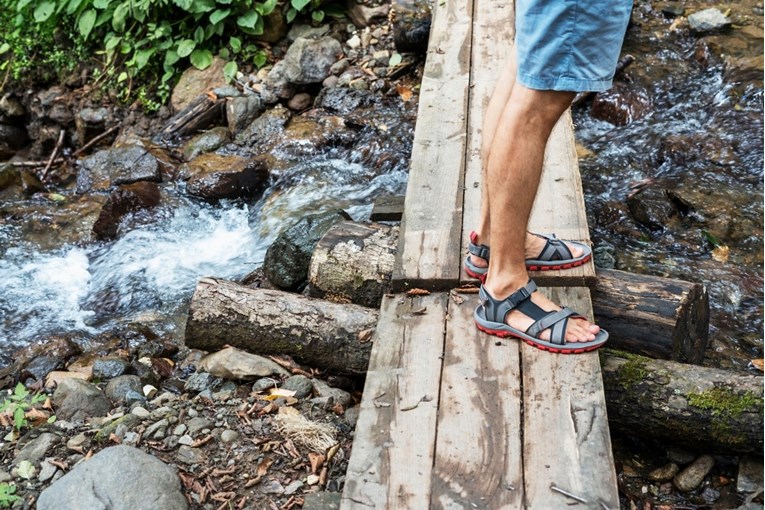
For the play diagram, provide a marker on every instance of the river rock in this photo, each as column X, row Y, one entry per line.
column 339, row 396
column 411, row 26
column 35, row 450
column 197, row 424
column 89, row 123
column 266, row 129
column 127, row 199
column 229, row 436
column 40, row 367
column 749, row 479
column 691, row 477
column 680, row 456
column 673, row 9
column 652, row 207
column 664, row 473
column 708, row 21
column 111, row 167
column 201, row 381
column 194, row 83
column 188, row 455
column 109, row 367
column 300, row 102
column 116, row 478
column 54, row 378
column 287, row 259
column 300, row 384
column 233, row 363
column 119, row 387
column 621, row 104
column 343, row 101
column 207, row 141
column 241, row 111
column 307, row 61
column 215, row 176
column 76, row 400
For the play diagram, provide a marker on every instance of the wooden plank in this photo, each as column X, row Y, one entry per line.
column 392, row 458
column 478, row 461
column 429, row 247
column 566, row 437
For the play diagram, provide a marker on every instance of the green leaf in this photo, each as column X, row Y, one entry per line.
column 122, row 77
column 224, row 53
column 101, row 4
column 86, row 22
column 120, row 15
column 4, row 48
column 291, row 13
column 73, row 5
column 299, row 4
column 266, row 7
column 22, row 4
column 248, row 20
column 236, row 44
column 18, row 418
column 219, row 15
column 185, row 47
column 395, row 60
column 199, row 35
column 52, row 419
column 201, row 59
column 25, row 469
column 184, row 4
column 229, row 71
column 198, row 6
column 20, row 391
column 710, row 238
column 318, row 16
column 43, row 11
column 260, row 59
column 142, row 57
column 171, row 57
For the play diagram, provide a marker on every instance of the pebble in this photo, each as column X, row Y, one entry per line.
column 47, row 470
column 189, row 455
column 293, row 488
column 5, row 476
column 192, row 413
column 201, row 381
column 131, row 438
column 708, row 21
column 664, row 473
column 300, row 384
column 162, row 412
column 141, row 412
column 691, row 477
column 76, row 441
column 266, row 383
column 179, row 430
column 300, row 102
column 359, row 84
column 272, row 487
column 159, row 426
column 312, row 479
column 186, row 439
column 229, row 436
column 750, row 475
column 354, row 42
column 195, row 425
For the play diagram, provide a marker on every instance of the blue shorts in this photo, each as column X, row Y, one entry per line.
column 569, row 45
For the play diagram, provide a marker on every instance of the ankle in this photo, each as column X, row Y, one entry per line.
column 501, row 287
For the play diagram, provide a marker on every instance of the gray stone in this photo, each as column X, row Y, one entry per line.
column 189, row 455
column 341, row 397
column 180, row 429
column 233, row 363
column 306, row 61
column 89, row 123
column 351, row 415
column 292, row 488
column 265, row 129
column 40, row 367
column 272, row 487
column 750, row 475
column 300, row 384
column 118, row 427
column 241, row 111
column 680, row 456
column 118, row 388
column 141, row 412
column 11, row 106
column 300, row 102
column 201, row 381
column 159, row 426
column 186, row 440
column 264, row 384
column 134, row 397
column 36, row 449
column 196, row 425
column 207, row 141
column 229, row 436
column 116, row 478
column 287, row 259
column 111, row 167
column 322, row 501
column 664, row 473
column 604, row 256
column 691, row 477
column 363, row 16
column 76, row 400
column 708, row 21
column 76, row 441
column 163, row 412
column 5, row 476
column 47, row 470
column 299, row 30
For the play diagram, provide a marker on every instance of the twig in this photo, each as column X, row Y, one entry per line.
column 567, row 494
column 53, row 154
column 424, row 398
column 95, row 140
column 36, row 163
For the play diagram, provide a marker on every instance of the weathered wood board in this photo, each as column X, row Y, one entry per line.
column 392, row 459
column 429, row 249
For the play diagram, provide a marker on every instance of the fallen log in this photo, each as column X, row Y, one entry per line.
column 328, row 335
column 199, row 114
column 708, row 409
column 657, row 317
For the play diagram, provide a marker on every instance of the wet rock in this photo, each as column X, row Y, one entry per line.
column 194, row 83
column 300, row 384
column 363, row 16
column 343, row 101
column 750, row 475
column 119, row 387
column 604, row 256
column 411, row 26
column 90, row 122
column 265, row 129
column 708, row 21
column 691, row 477
column 76, row 400
column 127, row 199
column 652, row 207
column 232, row 363
column 664, row 473
column 108, row 368
column 189, row 455
column 111, row 167
column 9, row 176
column 339, row 396
column 241, row 111
column 300, row 102
column 201, row 381
column 215, row 176
column 306, row 135
column 307, row 61
column 287, row 259
column 31, row 184
column 322, row 501
column 123, row 476
column 35, row 450
column 621, row 104
column 40, row 367
column 673, row 9
column 207, row 141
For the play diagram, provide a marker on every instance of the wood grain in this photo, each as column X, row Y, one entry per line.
column 392, row 458
column 478, row 451
column 429, row 249
column 566, row 436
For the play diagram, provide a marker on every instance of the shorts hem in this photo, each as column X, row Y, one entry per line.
column 563, row 83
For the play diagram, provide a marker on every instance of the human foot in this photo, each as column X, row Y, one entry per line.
column 543, row 252
column 530, row 316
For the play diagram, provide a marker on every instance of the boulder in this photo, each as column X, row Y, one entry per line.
column 109, row 367
column 111, row 167
column 232, row 363
column 116, row 478
column 125, row 200
column 215, row 176
column 40, row 367
column 241, row 111
column 708, row 21
column 307, row 61
column 287, row 259
column 194, row 83
column 265, row 129
column 76, row 400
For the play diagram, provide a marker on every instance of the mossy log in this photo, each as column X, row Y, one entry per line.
column 707, row 409
column 199, row 114
column 319, row 333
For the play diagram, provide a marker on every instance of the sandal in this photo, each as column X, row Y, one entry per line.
column 554, row 255
column 491, row 313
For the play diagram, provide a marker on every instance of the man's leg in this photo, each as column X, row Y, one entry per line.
column 513, row 170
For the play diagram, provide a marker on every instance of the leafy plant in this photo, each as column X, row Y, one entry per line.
column 7, row 495
column 17, row 405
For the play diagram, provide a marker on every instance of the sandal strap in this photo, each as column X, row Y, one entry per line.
column 552, row 319
column 479, row 250
column 497, row 310
column 554, row 249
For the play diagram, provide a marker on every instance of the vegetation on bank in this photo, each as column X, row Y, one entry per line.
column 138, row 48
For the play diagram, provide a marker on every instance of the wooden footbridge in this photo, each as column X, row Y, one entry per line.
column 452, row 418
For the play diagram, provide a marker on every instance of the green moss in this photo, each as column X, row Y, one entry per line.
column 724, row 402
column 633, row 371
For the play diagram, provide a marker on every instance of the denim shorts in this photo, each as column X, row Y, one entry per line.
column 570, row 45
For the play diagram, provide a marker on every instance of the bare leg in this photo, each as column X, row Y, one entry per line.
column 514, row 167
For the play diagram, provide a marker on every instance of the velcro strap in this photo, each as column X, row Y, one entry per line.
column 549, row 320
column 479, row 250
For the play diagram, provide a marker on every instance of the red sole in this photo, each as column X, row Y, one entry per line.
column 505, row 334
column 482, row 277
